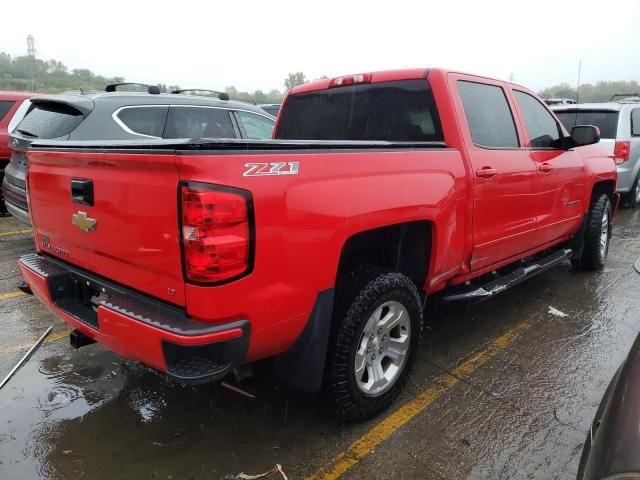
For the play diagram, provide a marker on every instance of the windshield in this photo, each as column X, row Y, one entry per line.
column 605, row 120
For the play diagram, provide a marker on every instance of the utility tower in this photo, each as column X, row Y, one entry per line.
column 31, row 53
column 31, row 46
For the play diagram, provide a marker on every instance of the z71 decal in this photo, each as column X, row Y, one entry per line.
column 273, row 168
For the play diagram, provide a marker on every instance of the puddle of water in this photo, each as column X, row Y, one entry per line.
column 45, row 392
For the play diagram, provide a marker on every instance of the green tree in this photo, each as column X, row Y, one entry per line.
column 52, row 76
column 294, row 79
column 274, row 96
column 600, row 92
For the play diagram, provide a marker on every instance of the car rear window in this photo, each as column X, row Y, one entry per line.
column 606, row 121
column 5, row 106
column 147, row 120
column 49, row 120
column 393, row 111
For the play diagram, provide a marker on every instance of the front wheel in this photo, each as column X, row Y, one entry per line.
column 378, row 327
column 598, row 235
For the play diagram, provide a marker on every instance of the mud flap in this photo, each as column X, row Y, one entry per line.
column 302, row 366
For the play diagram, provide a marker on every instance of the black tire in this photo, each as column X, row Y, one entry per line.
column 630, row 199
column 359, row 294
column 593, row 255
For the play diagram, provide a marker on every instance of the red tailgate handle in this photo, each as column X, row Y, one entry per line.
column 486, row 172
column 545, row 168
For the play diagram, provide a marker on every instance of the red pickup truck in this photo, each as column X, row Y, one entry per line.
column 318, row 249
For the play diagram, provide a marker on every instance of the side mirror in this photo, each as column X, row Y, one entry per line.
column 585, row 135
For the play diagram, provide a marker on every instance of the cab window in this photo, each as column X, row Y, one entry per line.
column 488, row 115
column 542, row 128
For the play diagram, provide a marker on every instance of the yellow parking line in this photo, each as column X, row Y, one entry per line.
column 54, row 337
column 389, row 425
column 6, row 296
column 16, row 232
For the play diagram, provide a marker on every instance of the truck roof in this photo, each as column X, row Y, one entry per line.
column 390, row 76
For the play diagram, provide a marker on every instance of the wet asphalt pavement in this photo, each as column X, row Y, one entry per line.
column 522, row 412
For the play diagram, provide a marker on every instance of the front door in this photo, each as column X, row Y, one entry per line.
column 561, row 173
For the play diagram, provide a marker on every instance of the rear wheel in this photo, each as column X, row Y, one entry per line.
column 632, row 199
column 378, row 323
column 598, row 235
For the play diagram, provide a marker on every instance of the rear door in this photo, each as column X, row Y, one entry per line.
column 561, row 173
column 504, row 175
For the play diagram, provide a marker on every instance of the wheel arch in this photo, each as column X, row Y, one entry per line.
column 402, row 247
column 607, row 187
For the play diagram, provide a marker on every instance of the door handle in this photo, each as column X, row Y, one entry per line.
column 545, row 168
column 486, row 172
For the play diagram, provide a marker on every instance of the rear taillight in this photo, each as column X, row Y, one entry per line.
column 215, row 232
column 621, row 152
column 350, row 80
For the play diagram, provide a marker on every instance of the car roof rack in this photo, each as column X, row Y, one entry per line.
column 628, row 96
column 152, row 89
column 220, row 95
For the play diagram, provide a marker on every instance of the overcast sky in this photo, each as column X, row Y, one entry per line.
column 254, row 44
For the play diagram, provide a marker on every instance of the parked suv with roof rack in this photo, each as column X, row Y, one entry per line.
column 126, row 116
column 619, row 123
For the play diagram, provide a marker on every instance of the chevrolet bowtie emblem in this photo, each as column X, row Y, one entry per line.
column 83, row 222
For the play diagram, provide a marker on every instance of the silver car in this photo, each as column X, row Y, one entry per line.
column 619, row 124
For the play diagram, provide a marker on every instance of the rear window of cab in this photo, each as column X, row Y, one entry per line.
column 398, row 111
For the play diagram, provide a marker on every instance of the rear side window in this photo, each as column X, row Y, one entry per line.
column 199, row 122
column 542, row 128
column 606, row 121
column 255, row 126
column 392, row 111
column 488, row 115
column 4, row 108
column 147, row 121
column 49, row 120
column 635, row 122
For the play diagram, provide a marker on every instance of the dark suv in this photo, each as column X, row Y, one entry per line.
column 120, row 115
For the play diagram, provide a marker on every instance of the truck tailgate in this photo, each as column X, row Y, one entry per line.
column 120, row 219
